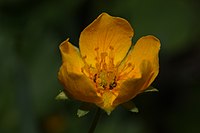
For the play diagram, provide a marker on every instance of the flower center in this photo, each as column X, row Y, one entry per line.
column 105, row 80
column 105, row 74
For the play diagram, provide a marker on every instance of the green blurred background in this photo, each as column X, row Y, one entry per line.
column 30, row 33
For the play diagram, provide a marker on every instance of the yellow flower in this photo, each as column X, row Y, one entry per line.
column 107, row 71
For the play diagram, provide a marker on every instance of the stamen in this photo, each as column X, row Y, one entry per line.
column 87, row 69
column 124, row 72
column 104, row 73
column 103, row 55
column 97, row 54
column 111, row 58
column 103, row 64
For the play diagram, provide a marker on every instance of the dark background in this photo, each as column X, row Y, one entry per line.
column 30, row 33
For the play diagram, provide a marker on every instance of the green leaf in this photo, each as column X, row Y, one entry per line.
column 151, row 89
column 61, row 96
column 130, row 106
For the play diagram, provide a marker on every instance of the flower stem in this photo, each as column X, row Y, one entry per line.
column 95, row 120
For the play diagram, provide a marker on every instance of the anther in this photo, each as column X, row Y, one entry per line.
column 103, row 55
column 95, row 78
column 84, row 57
column 96, row 49
column 112, row 85
column 111, row 47
column 129, row 64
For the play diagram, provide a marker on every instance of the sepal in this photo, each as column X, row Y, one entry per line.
column 61, row 96
column 151, row 89
column 82, row 113
column 130, row 106
column 84, row 109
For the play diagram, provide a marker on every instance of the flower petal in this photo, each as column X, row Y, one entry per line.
column 146, row 49
column 144, row 56
column 108, row 97
column 106, row 33
column 76, row 84
column 71, row 55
